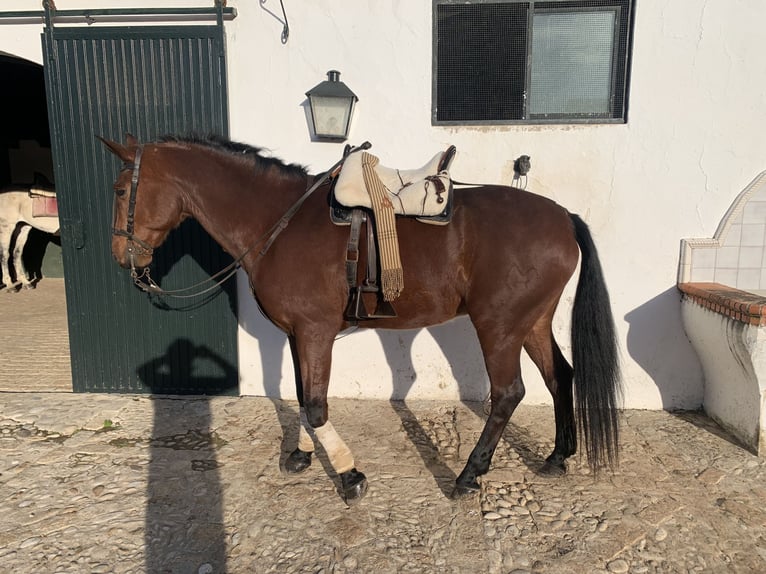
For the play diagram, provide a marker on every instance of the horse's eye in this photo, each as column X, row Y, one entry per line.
column 119, row 191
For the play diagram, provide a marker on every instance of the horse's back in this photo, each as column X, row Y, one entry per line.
column 517, row 239
column 504, row 250
column 12, row 200
column 498, row 203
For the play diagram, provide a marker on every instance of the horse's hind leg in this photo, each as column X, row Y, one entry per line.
column 18, row 259
column 557, row 374
column 313, row 349
column 503, row 362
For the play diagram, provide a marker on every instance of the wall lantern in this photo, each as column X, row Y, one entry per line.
column 332, row 105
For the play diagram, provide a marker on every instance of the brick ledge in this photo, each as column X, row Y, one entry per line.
column 739, row 305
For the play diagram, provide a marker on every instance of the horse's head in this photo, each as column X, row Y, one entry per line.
column 142, row 216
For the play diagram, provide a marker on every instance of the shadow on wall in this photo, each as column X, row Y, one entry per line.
column 459, row 346
column 397, row 346
column 658, row 343
column 184, row 242
column 272, row 346
column 456, row 340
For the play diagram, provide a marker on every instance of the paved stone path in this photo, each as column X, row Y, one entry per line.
column 131, row 484
column 106, row 483
column 34, row 339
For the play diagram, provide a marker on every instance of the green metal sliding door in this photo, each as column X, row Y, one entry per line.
column 148, row 81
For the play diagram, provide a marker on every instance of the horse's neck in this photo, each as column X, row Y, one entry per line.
column 239, row 209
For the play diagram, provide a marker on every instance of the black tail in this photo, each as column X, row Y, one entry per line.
column 595, row 357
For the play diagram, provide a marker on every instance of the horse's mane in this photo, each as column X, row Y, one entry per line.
column 227, row 146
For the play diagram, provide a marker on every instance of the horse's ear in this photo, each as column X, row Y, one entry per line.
column 122, row 152
column 131, row 140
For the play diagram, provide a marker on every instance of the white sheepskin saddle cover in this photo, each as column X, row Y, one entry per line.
column 411, row 191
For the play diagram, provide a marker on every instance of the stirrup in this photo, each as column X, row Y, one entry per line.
column 356, row 308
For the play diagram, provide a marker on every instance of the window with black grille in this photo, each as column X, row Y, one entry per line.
column 508, row 61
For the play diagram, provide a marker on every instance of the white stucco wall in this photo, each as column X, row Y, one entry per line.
column 733, row 356
column 693, row 140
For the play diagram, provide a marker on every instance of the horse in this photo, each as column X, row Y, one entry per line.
column 503, row 260
column 16, row 212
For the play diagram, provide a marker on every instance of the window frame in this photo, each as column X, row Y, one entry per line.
column 619, row 77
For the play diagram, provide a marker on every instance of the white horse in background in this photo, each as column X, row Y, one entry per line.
column 16, row 212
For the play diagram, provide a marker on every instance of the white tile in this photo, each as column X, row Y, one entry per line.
column 704, row 257
column 759, row 193
column 753, row 234
column 726, row 276
column 727, row 258
column 748, row 279
column 702, row 275
column 733, row 235
column 755, row 212
column 750, row 257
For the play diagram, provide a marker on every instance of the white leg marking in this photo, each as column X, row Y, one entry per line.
column 340, row 455
column 305, row 442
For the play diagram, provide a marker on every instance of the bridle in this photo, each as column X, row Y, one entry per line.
column 137, row 246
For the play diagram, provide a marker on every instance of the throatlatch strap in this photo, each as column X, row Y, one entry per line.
column 391, row 272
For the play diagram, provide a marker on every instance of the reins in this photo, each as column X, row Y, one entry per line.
column 144, row 280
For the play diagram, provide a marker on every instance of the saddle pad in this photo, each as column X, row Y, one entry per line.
column 44, row 206
column 411, row 192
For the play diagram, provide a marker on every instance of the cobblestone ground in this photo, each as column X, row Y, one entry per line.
column 105, row 483
column 127, row 484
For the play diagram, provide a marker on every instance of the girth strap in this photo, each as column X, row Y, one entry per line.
column 352, row 251
column 356, row 310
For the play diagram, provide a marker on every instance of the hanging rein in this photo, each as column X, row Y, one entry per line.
column 137, row 246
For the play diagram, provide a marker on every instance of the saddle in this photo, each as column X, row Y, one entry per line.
column 424, row 193
column 44, row 202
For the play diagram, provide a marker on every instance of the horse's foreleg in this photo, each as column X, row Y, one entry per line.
column 314, row 357
column 506, row 390
column 18, row 259
column 6, row 235
column 300, row 459
column 557, row 374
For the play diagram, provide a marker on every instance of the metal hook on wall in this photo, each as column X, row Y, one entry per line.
column 284, row 22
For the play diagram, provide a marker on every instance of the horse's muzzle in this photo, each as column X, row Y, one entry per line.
column 131, row 258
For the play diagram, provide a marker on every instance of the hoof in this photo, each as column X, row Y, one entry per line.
column 354, row 485
column 463, row 491
column 297, row 462
column 30, row 286
column 552, row 470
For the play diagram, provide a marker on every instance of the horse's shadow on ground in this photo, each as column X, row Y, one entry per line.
column 455, row 342
column 453, row 345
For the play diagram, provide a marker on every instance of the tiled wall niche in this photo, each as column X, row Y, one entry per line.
column 736, row 254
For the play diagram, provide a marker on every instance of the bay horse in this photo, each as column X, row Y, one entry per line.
column 17, row 218
column 504, row 261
